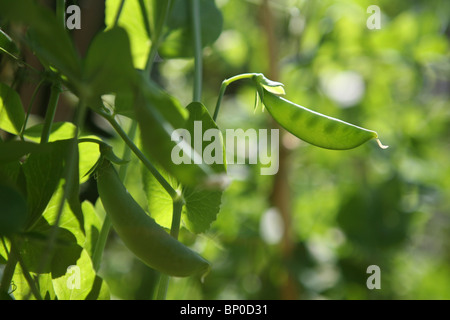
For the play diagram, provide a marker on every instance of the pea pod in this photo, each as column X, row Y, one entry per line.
column 313, row 127
column 140, row 233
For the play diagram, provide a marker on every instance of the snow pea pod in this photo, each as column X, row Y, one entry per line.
column 141, row 234
column 313, row 127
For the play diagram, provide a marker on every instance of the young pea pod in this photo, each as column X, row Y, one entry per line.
column 141, row 234
column 313, row 127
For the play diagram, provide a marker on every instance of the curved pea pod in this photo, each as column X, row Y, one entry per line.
column 313, row 127
column 141, row 234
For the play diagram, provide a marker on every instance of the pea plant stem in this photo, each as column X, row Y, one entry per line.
column 162, row 287
column 157, row 36
column 61, row 12
column 101, row 242
column 55, row 91
column 171, row 191
column 224, row 86
column 196, row 26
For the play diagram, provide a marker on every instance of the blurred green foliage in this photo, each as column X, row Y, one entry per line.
column 350, row 209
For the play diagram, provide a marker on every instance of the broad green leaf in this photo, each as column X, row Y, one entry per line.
column 60, row 131
column 201, row 208
column 14, row 150
column 46, row 36
column 68, row 244
column 88, row 156
column 66, row 250
column 124, row 104
column 80, row 282
column 12, row 114
column 158, row 116
column 58, row 279
column 13, row 210
column 199, row 123
column 133, row 21
column 11, row 173
column 160, row 203
column 7, row 45
column 202, row 205
column 108, row 67
column 43, row 172
column 179, row 37
column 88, row 152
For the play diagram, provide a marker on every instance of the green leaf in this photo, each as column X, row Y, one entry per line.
column 108, row 67
column 46, row 36
column 124, row 104
column 199, row 122
column 43, row 172
column 69, row 241
column 88, row 156
column 7, row 45
column 202, row 204
column 160, row 204
column 88, row 152
column 56, row 281
column 13, row 210
column 158, row 116
column 12, row 114
column 132, row 20
column 179, row 37
column 10, row 173
column 66, row 250
column 14, row 150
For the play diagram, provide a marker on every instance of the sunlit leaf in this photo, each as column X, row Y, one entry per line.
column 12, row 114
column 59, row 131
column 43, row 172
column 132, row 20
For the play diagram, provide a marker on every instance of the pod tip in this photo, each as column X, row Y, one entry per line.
column 381, row 145
column 205, row 273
